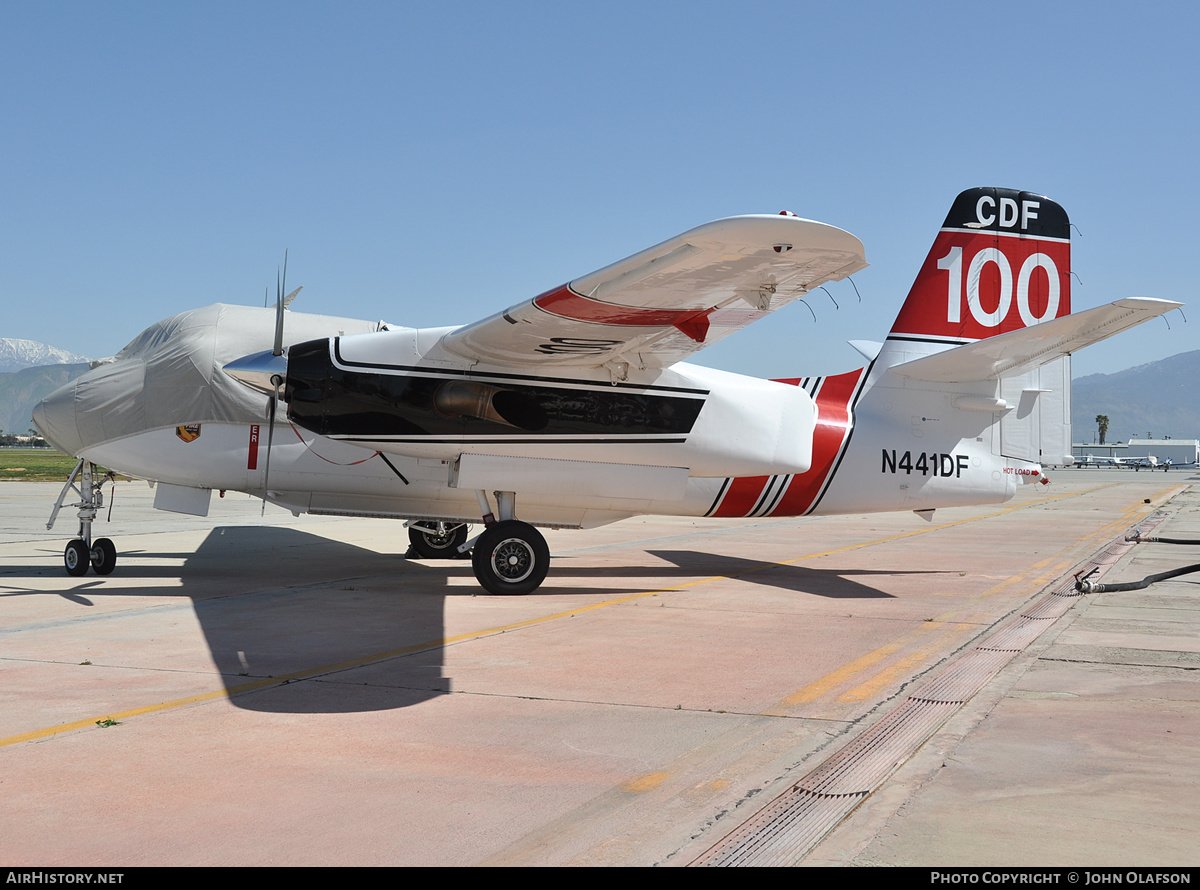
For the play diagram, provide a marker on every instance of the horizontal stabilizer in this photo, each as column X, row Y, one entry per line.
column 1020, row 350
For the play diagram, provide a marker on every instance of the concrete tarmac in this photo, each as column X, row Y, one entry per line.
column 293, row 691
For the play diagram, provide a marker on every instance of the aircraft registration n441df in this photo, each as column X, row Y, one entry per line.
column 576, row 408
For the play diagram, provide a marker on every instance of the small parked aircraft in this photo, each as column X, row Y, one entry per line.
column 575, row 408
column 1090, row 460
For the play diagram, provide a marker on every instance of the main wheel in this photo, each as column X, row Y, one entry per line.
column 510, row 557
column 104, row 556
column 434, row 546
column 75, row 557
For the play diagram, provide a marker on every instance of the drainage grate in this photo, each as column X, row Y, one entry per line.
column 792, row 824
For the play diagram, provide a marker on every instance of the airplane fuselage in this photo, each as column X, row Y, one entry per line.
column 384, row 424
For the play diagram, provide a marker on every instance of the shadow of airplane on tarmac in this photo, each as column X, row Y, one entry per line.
column 287, row 615
column 832, row 583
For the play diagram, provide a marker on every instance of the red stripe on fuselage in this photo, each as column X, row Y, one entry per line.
column 743, row 494
column 833, row 425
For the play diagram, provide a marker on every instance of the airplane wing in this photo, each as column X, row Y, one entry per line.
column 662, row 305
column 1029, row 347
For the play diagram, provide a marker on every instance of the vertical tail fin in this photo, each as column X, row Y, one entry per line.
column 1001, row 262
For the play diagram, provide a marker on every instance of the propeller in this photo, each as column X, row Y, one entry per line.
column 278, row 370
column 265, row 371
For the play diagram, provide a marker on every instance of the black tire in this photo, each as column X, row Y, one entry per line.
column 75, row 558
column 104, row 556
column 510, row 558
column 432, row 546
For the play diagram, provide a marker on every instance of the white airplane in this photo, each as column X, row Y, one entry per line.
column 1150, row 462
column 575, row 409
column 1093, row 461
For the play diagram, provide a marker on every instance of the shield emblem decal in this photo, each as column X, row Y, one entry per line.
column 189, row 432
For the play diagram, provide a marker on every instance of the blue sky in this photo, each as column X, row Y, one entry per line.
column 430, row 164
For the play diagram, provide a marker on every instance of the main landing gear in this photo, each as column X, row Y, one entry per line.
column 437, row 540
column 82, row 552
column 509, row 557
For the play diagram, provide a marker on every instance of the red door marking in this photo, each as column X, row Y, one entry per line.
column 252, row 454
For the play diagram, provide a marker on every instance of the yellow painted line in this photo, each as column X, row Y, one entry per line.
column 864, row 691
column 307, row 674
column 816, row 689
column 648, row 782
column 242, row 689
column 833, row 679
column 84, row 724
column 830, row 681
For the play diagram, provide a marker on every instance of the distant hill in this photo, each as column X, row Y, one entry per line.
column 1161, row 398
column 21, row 390
column 17, row 354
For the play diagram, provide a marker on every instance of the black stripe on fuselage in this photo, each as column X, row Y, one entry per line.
column 383, row 403
column 720, row 494
column 774, row 502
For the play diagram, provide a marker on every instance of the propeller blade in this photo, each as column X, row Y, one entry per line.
column 277, row 349
column 280, row 282
column 270, row 440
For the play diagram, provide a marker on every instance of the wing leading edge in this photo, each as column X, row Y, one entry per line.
column 664, row 304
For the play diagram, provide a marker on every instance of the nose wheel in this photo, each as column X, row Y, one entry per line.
column 75, row 558
column 103, row 556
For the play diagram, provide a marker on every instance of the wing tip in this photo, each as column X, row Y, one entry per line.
column 1151, row 304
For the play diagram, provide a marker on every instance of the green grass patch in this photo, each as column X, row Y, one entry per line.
column 35, row 465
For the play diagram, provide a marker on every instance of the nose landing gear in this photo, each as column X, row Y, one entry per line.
column 82, row 552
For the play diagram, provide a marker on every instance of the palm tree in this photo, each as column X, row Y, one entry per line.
column 1102, row 423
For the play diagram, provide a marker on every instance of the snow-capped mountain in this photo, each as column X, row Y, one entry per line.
column 18, row 354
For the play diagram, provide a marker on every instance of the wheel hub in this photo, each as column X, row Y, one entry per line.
column 513, row 560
